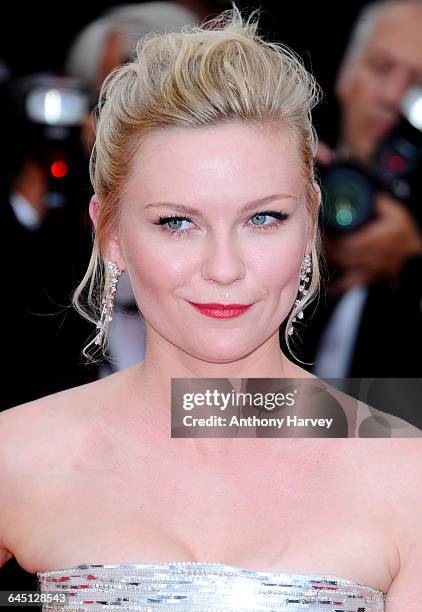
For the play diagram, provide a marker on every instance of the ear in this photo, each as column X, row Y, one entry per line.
column 312, row 226
column 112, row 247
column 94, row 209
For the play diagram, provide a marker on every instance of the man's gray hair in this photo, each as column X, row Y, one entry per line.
column 366, row 21
column 132, row 21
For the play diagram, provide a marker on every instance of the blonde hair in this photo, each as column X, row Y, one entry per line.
column 221, row 71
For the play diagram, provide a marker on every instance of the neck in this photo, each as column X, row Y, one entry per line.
column 151, row 379
column 345, row 151
column 145, row 413
column 342, row 151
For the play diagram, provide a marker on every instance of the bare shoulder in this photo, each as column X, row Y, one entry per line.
column 25, row 423
column 372, row 422
column 389, row 474
column 405, row 483
column 31, row 432
column 42, row 440
column 366, row 421
column 28, row 431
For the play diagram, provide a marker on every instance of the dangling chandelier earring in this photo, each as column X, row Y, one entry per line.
column 305, row 271
column 108, row 302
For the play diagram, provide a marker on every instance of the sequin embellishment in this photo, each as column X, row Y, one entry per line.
column 202, row 587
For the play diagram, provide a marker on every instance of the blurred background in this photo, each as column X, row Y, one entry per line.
column 38, row 37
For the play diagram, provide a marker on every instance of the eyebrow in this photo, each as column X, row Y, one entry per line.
column 246, row 208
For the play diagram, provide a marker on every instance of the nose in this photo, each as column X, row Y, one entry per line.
column 395, row 87
column 223, row 262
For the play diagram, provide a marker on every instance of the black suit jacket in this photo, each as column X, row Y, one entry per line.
column 41, row 338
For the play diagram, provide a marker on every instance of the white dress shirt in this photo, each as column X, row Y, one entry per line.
column 25, row 212
column 337, row 343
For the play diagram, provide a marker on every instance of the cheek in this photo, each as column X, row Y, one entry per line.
column 277, row 266
column 363, row 95
column 155, row 267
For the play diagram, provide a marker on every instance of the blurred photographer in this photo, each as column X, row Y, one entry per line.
column 370, row 323
column 45, row 235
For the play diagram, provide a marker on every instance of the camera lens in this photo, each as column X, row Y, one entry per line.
column 348, row 198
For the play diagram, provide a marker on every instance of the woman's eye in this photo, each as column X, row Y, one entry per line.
column 260, row 218
column 173, row 223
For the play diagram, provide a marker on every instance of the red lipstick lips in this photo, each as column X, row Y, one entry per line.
column 221, row 311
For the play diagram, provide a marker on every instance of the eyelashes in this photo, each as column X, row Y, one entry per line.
column 279, row 217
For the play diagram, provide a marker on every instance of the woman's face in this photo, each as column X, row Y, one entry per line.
column 216, row 253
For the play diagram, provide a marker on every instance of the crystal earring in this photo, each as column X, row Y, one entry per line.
column 108, row 302
column 305, row 271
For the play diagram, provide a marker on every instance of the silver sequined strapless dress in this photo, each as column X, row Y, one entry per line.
column 202, row 587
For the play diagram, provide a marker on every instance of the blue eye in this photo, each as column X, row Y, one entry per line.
column 260, row 215
column 280, row 216
column 176, row 220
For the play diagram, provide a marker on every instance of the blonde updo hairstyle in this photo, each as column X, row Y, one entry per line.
column 221, row 71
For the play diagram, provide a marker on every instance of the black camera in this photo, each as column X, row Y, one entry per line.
column 349, row 188
column 49, row 111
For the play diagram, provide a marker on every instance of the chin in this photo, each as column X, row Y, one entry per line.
column 364, row 150
column 223, row 352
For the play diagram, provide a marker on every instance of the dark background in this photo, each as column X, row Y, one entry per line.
column 35, row 37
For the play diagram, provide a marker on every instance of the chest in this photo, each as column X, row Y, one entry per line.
column 250, row 511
